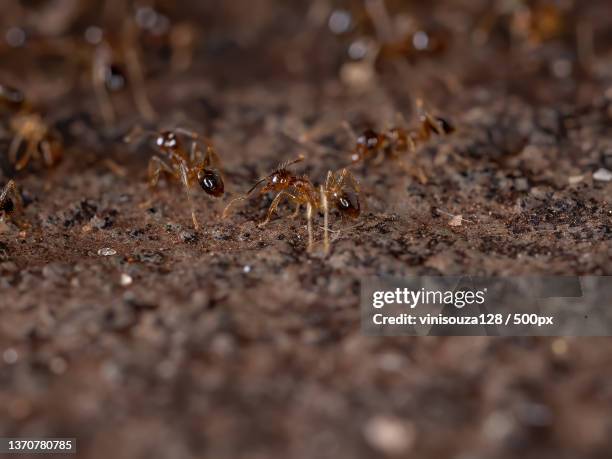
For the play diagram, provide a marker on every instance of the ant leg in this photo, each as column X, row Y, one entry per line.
column 185, row 180
column 326, row 219
column 379, row 158
column 47, row 153
column 415, row 172
column 49, row 156
column 350, row 131
column 231, row 203
column 309, row 224
column 134, row 68
column 296, row 212
column 211, row 158
column 25, row 159
column 275, row 204
column 101, row 60
column 14, row 148
column 156, row 167
column 379, row 15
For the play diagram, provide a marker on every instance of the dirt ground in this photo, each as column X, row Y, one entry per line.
column 127, row 329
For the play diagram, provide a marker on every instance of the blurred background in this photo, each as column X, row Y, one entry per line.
column 234, row 342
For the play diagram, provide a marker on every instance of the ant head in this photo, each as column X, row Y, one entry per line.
column 211, row 182
column 367, row 144
column 167, row 141
column 277, row 180
column 347, row 202
column 369, row 139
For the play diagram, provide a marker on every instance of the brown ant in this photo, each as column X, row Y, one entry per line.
column 188, row 164
column 341, row 190
column 115, row 63
column 528, row 22
column 388, row 43
column 10, row 200
column 397, row 141
column 29, row 127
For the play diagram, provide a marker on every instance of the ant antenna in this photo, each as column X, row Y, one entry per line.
column 286, row 164
column 138, row 133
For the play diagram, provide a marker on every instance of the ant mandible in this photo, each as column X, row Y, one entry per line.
column 397, row 141
column 301, row 191
column 187, row 165
column 30, row 128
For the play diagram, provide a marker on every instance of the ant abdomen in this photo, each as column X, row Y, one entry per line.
column 211, row 182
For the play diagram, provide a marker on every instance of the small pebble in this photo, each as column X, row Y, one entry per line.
column 602, row 175
column 126, row 280
column 10, row 356
column 107, row 252
column 58, row 365
column 246, row 269
column 389, row 434
column 574, row 179
column 559, row 347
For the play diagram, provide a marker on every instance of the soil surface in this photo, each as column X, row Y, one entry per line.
column 123, row 327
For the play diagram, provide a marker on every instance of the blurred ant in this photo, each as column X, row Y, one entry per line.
column 10, row 201
column 188, row 164
column 341, row 190
column 412, row 43
column 531, row 22
column 397, row 141
column 41, row 141
column 115, row 63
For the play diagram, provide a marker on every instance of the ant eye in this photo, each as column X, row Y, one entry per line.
column 369, row 139
column 166, row 140
column 211, row 182
column 115, row 78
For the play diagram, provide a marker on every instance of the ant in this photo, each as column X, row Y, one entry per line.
column 398, row 140
column 29, row 127
column 188, row 164
column 528, row 22
column 301, row 191
column 10, row 200
column 388, row 43
column 115, row 63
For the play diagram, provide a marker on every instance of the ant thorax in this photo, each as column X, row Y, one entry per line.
column 29, row 126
